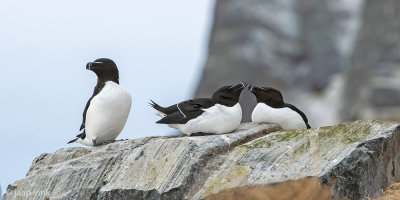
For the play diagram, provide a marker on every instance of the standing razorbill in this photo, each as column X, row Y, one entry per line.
column 107, row 110
column 271, row 108
column 216, row 115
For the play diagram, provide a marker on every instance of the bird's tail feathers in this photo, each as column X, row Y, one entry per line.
column 79, row 136
column 161, row 110
column 74, row 140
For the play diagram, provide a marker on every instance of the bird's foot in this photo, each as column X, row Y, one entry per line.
column 202, row 134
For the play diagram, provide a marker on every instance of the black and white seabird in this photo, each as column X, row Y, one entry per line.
column 107, row 110
column 219, row 114
column 271, row 108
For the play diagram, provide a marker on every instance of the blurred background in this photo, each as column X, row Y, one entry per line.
column 337, row 61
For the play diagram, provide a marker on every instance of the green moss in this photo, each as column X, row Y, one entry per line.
column 216, row 183
column 347, row 133
column 343, row 133
column 241, row 150
column 302, row 148
column 289, row 134
column 280, row 136
column 356, row 135
column 326, row 133
column 241, row 171
column 258, row 144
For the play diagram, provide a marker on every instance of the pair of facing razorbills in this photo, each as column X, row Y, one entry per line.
column 107, row 111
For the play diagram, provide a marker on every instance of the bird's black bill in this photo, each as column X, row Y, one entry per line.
column 92, row 65
column 89, row 66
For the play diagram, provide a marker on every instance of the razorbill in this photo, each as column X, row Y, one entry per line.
column 271, row 108
column 216, row 115
column 107, row 110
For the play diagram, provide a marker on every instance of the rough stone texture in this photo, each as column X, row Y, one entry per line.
column 360, row 158
column 149, row 168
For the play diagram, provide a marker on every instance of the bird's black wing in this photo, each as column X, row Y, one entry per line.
column 300, row 113
column 96, row 91
column 186, row 111
column 167, row 110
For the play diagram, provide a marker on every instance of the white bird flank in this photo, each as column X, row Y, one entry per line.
column 284, row 117
column 107, row 114
column 218, row 119
column 160, row 114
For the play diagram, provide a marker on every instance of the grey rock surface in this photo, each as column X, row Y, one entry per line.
column 360, row 158
column 149, row 168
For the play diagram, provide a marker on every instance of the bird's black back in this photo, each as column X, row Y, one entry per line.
column 184, row 111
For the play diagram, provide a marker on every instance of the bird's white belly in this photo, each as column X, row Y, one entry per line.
column 218, row 119
column 107, row 113
column 284, row 117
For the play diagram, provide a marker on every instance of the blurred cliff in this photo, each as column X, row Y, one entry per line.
column 336, row 60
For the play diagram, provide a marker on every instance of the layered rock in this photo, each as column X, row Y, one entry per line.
column 149, row 168
column 358, row 159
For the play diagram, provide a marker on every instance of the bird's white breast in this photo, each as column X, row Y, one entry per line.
column 107, row 113
column 218, row 119
column 285, row 117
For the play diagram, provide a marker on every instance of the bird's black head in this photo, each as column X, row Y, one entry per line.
column 105, row 69
column 229, row 95
column 270, row 96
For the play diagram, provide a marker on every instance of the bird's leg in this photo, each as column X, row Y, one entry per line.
column 94, row 141
column 201, row 134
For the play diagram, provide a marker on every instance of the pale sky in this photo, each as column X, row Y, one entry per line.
column 158, row 46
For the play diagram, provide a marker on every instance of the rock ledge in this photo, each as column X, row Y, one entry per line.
column 360, row 159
